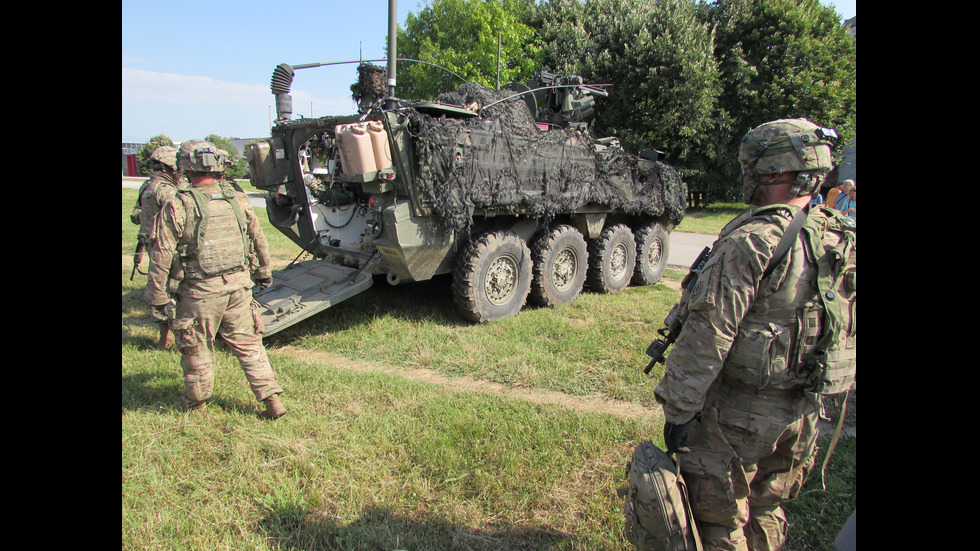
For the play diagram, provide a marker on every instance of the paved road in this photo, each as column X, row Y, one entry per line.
column 684, row 247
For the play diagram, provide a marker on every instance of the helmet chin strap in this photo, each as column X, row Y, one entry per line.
column 755, row 181
column 806, row 183
column 803, row 184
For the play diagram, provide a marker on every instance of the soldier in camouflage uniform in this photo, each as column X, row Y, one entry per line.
column 162, row 184
column 741, row 391
column 209, row 241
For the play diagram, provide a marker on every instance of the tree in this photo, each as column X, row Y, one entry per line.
column 143, row 155
column 462, row 35
column 779, row 59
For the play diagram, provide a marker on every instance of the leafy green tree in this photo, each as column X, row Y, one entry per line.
column 143, row 155
column 658, row 58
column 779, row 59
column 462, row 36
column 239, row 167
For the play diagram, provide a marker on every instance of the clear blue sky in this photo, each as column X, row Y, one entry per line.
column 192, row 68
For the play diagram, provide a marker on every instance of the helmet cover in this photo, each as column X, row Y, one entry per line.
column 165, row 154
column 786, row 145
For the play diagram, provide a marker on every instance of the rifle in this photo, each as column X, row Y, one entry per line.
column 677, row 316
column 137, row 258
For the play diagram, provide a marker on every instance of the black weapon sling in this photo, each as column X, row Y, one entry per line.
column 786, row 241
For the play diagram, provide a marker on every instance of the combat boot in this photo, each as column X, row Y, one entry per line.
column 184, row 405
column 166, row 338
column 273, row 407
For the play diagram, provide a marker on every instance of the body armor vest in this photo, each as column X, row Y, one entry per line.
column 799, row 332
column 215, row 239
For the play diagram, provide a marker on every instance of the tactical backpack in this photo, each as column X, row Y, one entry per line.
column 658, row 513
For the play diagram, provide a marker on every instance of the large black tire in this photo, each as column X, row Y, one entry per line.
column 492, row 277
column 612, row 257
column 560, row 265
column 652, row 250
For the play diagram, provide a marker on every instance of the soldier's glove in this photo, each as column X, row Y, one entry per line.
column 263, row 283
column 675, row 437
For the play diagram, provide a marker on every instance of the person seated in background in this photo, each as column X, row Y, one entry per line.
column 833, row 192
column 842, row 197
column 850, row 206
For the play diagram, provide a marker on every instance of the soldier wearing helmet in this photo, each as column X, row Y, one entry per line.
column 769, row 332
column 162, row 184
column 209, row 243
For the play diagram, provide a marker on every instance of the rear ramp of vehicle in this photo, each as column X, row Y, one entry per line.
column 307, row 288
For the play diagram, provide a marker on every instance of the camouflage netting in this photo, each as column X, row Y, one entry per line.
column 503, row 163
column 370, row 85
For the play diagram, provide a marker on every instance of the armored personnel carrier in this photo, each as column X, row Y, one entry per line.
column 504, row 189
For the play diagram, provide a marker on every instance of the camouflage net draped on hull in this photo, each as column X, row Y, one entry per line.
column 504, row 164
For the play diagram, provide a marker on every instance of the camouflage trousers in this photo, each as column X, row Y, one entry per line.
column 236, row 319
column 749, row 453
column 164, row 318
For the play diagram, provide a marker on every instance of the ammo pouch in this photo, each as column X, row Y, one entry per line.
column 834, row 358
column 761, row 355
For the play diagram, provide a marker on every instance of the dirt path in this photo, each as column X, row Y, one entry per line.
column 582, row 404
column 585, row 404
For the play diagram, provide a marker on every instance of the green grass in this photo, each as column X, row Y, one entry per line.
column 408, row 428
column 710, row 219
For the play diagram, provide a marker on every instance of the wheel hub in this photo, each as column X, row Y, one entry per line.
column 563, row 273
column 501, row 280
column 653, row 255
column 617, row 260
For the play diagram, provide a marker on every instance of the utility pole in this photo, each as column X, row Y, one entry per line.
column 392, row 50
column 498, row 61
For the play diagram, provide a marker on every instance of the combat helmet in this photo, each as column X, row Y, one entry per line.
column 165, row 155
column 786, row 145
column 224, row 155
column 200, row 156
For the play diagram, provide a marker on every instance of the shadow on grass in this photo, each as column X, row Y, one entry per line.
column 377, row 528
column 420, row 302
column 423, row 302
column 150, row 392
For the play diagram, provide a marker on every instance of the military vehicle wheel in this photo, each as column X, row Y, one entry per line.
column 492, row 277
column 652, row 249
column 612, row 257
column 560, row 264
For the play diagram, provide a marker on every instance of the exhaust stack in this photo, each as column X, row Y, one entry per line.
column 282, row 79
